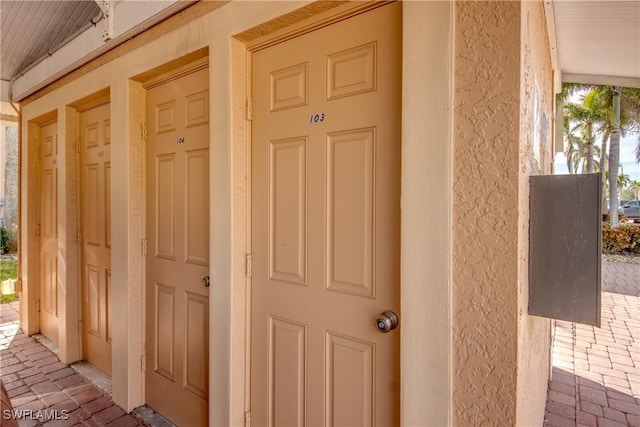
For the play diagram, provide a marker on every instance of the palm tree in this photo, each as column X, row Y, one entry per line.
column 575, row 147
column 623, row 105
column 576, row 154
column 635, row 186
column 623, row 181
column 604, row 163
column 623, row 114
column 588, row 116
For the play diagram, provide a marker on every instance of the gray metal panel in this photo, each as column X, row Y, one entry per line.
column 565, row 245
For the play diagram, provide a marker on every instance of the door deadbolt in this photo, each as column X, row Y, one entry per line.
column 206, row 282
column 387, row 321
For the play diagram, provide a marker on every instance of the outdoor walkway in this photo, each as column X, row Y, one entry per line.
column 596, row 371
column 42, row 388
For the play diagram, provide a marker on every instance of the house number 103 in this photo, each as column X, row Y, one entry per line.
column 315, row 118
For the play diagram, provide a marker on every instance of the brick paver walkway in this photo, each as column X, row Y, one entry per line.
column 42, row 388
column 596, row 371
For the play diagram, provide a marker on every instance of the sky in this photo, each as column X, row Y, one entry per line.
column 627, row 158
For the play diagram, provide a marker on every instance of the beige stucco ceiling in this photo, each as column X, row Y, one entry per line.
column 594, row 41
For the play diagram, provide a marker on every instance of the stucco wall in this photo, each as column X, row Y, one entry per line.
column 486, row 90
column 10, row 174
column 536, row 131
column 426, row 188
column 502, row 135
column 490, row 360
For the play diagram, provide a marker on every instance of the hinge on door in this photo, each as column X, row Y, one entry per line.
column 143, row 362
column 144, row 247
column 249, row 265
column 79, row 237
column 38, row 305
column 144, row 131
column 77, row 146
column 249, row 109
column 38, row 230
column 80, row 327
column 247, row 419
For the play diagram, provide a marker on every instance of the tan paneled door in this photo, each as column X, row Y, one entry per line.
column 177, row 294
column 48, row 229
column 95, row 183
column 325, row 225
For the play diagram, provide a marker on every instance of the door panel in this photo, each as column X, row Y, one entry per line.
column 350, row 211
column 288, row 195
column 177, row 313
column 48, row 288
column 287, row 356
column 95, row 189
column 326, row 225
column 349, row 384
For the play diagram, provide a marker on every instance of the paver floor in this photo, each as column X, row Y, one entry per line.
column 43, row 390
column 596, row 371
column 595, row 382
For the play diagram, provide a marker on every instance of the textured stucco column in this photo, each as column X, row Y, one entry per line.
column 536, row 157
column 486, row 91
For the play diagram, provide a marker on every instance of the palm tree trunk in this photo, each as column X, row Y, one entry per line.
column 614, row 158
column 569, row 154
column 603, row 170
column 570, row 164
column 590, row 148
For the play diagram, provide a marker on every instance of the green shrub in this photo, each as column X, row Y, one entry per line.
column 8, row 269
column 6, row 299
column 5, row 238
column 622, row 240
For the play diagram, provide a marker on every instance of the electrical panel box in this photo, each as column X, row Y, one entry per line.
column 565, row 247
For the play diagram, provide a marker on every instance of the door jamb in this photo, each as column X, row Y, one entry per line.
column 74, row 130
column 178, row 68
column 242, row 52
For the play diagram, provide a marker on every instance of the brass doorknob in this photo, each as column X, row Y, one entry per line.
column 206, row 282
column 387, row 321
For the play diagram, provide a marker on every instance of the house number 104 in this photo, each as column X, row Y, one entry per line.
column 315, row 118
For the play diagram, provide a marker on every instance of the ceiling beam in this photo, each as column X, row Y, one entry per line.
column 108, row 11
column 594, row 79
column 550, row 15
column 5, row 90
column 129, row 18
column 7, row 112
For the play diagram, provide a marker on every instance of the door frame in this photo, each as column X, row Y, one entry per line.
column 225, row 30
column 289, row 32
column 424, row 395
column 164, row 73
column 74, row 111
column 69, row 341
column 270, row 38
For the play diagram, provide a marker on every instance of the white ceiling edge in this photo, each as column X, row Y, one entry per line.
column 129, row 19
column 593, row 79
column 550, row 15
